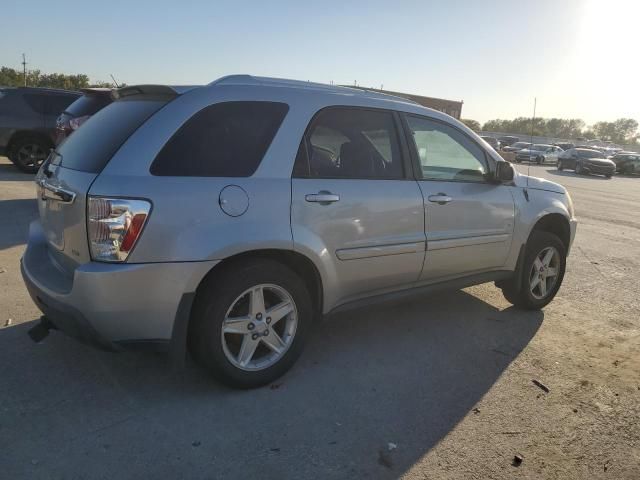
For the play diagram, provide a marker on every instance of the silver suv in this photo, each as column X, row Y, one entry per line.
column 225, row 219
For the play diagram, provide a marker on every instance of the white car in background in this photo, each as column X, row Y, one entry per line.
column 539, row 153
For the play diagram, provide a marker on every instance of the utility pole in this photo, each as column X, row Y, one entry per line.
column 24, row 69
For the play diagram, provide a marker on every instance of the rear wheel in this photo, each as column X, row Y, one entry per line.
column 29, row 153
column 250, row 323
column 542, row 272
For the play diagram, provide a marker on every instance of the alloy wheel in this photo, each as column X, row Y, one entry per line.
column 259, row 327
column 31, row 154
column 544, row 273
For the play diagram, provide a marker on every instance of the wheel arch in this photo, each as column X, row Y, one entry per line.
column 299, row 263
column 557, row 224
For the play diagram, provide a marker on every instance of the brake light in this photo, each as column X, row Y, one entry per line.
column 114, row 226
column 75, row 123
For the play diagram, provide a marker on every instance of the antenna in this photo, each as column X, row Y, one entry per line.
column 535, row 102
column 24, row 69
column 114, row 81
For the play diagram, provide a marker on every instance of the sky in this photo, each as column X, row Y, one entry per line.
column 579, row 58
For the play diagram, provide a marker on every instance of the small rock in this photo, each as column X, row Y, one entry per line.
column 391, row 446
column 275, row 386
column 541, row 385
column 476, row 410
column 616, row 363
column 8, row 322
column 196, row 444
column 2, row 270
column 517, row 460
column 575, row 410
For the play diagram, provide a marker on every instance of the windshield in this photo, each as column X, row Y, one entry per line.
column 589, row 154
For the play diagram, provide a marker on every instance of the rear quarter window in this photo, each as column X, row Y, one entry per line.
column 91, row 147
column 88, row 105
column 226, row 139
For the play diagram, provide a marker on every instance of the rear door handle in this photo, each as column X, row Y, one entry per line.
column 322, row 197
column 440, row 198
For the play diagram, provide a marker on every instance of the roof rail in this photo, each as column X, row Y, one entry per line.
column 243, row 79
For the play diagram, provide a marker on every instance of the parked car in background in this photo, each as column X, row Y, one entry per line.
column 539, row 153
column 27, row 123
column 564, row 146
column 584, row 160
column 493, row 141
column 230, row 217
column 92, row 101
column 628, row 163
column 508, row 140
column 516, row 146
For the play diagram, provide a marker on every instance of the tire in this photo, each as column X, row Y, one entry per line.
column 28, row 153
column 221, row 296
column 560, row 166
column 529, row 298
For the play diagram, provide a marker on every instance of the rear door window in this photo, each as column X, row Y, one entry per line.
column 91, row 147
column 351, row 143
column 226, row 139
column 55, row 104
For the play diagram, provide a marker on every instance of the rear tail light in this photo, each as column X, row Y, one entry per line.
column 114, row 226
column 75, row 123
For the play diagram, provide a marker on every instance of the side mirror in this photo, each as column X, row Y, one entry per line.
column 504, row 172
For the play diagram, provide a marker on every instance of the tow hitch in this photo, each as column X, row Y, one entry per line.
column 41, row 330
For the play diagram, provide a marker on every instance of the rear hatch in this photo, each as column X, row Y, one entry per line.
column 66, row 176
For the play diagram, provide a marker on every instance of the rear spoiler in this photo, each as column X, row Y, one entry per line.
column 153, row 90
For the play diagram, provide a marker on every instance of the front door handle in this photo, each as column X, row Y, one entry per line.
column 440, row 198
column 322, row 197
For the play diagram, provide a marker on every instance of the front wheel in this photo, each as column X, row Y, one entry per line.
column 250, row 323
column 542, row 272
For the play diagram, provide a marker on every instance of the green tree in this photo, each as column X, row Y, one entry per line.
column 623, row 130
column 472, row 124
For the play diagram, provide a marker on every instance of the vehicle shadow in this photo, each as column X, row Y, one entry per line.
column 564, row 173
column 404, row 374
column 15, row 216
column 10, row 173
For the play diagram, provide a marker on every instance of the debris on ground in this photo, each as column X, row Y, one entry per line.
column 541, row 385
column 517, row 460
column 8, row 322
column 391, row 446
column 616, row 363
column 275, row 450
column 476, row 410
column 195, row 444
column 2, row 270
column 275, row 386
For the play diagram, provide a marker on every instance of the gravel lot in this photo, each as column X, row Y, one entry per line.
column 437, row 388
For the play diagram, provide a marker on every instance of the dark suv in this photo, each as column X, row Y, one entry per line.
column 28, row 121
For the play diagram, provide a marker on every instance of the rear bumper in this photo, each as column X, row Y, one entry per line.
column 111, row 305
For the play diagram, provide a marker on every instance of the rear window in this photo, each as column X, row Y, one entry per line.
column 88, row 105
column 222, row 140
column 91, row 147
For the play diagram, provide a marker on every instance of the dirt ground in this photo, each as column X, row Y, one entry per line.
column 437, row 388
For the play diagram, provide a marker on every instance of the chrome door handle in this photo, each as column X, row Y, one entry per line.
column 322, row 197
column 50, row 192
column 440, row 199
